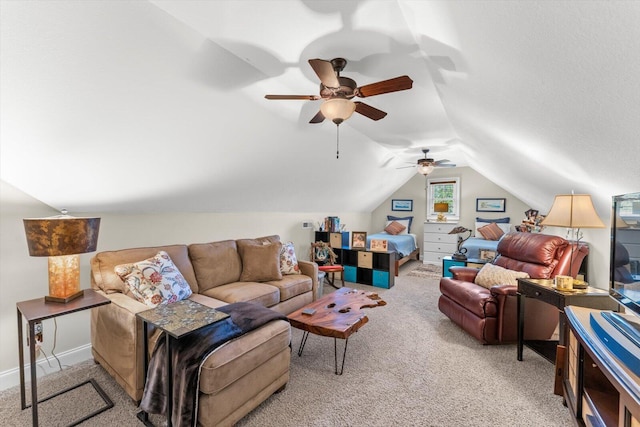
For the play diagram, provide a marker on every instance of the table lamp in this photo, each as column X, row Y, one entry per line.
column 441, row 208
column 460, row 254
column 573, row 211
column 62, row 238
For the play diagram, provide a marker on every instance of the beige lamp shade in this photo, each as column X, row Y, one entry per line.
column 337, row 109
column 61, row 239
column 573, row 211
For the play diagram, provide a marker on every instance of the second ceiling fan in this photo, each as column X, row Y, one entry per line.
column 337, row 91
column 427, row 165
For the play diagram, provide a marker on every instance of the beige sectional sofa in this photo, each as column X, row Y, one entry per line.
column 241, row 374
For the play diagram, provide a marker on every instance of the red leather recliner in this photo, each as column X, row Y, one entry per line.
column 490, row 314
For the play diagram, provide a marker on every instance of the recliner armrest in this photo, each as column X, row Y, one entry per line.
column 466, row 274
column 505, row 290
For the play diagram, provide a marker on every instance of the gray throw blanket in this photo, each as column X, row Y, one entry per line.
column 188, row 354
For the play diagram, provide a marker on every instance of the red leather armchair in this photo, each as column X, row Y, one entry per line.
column 489, row 315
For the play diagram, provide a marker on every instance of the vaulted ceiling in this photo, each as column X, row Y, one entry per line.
column 151, row 106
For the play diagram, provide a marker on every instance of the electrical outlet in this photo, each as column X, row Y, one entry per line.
column 37, row 327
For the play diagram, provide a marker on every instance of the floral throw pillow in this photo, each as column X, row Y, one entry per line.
column 155, row 280
column 288, row 260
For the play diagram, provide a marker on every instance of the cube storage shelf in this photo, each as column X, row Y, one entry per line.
column 361, row 266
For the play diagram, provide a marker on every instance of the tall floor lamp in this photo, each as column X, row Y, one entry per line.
column 62, row 238
column 573, row 211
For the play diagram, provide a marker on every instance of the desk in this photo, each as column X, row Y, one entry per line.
column 542, row 289
column 35, row 311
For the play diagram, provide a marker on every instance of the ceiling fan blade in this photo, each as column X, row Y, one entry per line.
column 448, row 165
column 318, row 118
column 385, row 86
column 442, row 161
column 406, row 167
column 302, row 97
column 369, row 111
column 324, row 70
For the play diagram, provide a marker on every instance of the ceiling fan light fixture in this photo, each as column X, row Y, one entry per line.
column 337, row 109
column 425, row 168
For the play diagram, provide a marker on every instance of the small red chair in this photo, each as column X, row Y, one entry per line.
column 322, row 255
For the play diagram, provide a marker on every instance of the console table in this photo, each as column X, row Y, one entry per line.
column 598, row 389
column 35, row 311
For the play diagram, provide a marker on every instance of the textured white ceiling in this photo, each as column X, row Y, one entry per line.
column 137, row 106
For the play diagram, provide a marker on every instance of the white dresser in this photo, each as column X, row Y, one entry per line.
column 438, row 243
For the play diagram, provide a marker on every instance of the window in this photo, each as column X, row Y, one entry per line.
column 443, row 190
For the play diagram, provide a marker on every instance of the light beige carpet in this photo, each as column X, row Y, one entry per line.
column 408, row 366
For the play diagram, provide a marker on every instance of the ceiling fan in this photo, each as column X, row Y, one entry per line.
column 427, row 165
column 337, row 91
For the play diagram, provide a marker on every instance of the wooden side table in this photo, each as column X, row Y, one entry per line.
column 35, row 311
column 543, row 290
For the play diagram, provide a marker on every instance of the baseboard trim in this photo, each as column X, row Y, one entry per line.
column 11, row 377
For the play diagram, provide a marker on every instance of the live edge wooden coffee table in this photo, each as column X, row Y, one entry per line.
column 336, row 315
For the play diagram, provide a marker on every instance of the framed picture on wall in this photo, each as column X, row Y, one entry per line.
column 405, row 205
column 491, row 205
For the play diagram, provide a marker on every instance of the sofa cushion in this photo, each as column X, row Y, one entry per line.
column 288, row 259
column 535, row 248
column 260, row 240
column 155, row 280
column 259, row 293
column 491, row 275
column 260, row 262
column 232, row 362
column 394, row 228
column 292, row 285
column 216, row 263
column 103, row 263
column 491, row 231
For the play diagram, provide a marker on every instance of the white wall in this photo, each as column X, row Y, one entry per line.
column 472, row 186
column 23, row 277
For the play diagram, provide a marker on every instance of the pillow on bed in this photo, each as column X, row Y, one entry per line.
column 404, row 222
column 394, row 228
column 491, row 231
column 504, row 227
column 397, row 218
column 504, row 220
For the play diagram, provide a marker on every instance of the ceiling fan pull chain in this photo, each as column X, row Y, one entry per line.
column 338, row 142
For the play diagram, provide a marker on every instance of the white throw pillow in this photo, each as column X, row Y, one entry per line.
column 491, row 275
